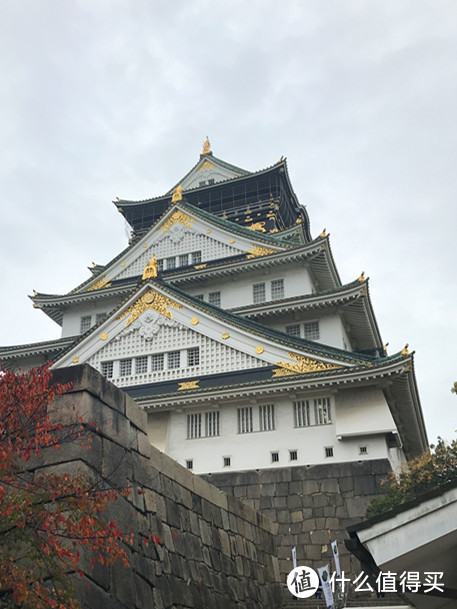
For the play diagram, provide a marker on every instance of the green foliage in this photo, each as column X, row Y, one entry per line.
column 435, row 467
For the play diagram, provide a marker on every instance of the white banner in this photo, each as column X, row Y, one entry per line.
column 336, row 558
column 324, row 576
column 294, row 557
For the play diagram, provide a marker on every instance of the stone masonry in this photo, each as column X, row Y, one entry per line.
column 214, row 551
column 313, row 505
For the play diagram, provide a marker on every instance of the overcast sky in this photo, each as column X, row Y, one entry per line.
column 107, row 98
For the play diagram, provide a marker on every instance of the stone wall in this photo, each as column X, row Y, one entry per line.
column 214, row 550
column 313, row 505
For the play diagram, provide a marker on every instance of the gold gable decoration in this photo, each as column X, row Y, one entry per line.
column 259, row 250
column 150, row 270
column 303, row 364
column 257, row 226
column 178, row 217
column 177, row 194
column 150, row 300
column 98, row 285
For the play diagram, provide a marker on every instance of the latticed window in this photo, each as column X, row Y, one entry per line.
column 157, row 361
column 267, row 417
column 194, row 425
column 312, row 330
column 322, row 413
column 227, row 461
column 160, row 265
column 141, row 364
column 86, row 322
column 293, row 455
column 328, row 451
column 258, row 292
column 196, row 257
column 275, row 457
column 293, row 330
column 174, row 359
column 184, row 260
column 245, row 420
column 301, row 413
column 107, row 369
column 193, row 356
column 277, row 289
column 212, row 423
column 125, row 367
column 100, row 317
column 171, row 263
column 214, row 298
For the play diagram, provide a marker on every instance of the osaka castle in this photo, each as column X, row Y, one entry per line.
column 227, row 321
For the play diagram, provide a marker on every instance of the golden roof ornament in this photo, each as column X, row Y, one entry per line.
column 362, row 277
column 405, row 350
column 323, row 233
column 177, row 194
column 206, row 146
column 150, row 270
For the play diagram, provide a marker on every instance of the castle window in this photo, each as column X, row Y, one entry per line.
column 174, row 359
column 277, row 289
column 171, row 263
column 86, row 322
column 214, row 298
column 328, row 451
column 202, row 183
column 275, row 457
column 190, row 463
column 100, row 317
column 194, row 425
column 160, row 265
column 141, row 364
column 245, row 420
column 293, row 330
column 267, row 417
column 227, row 461
column 363, row 450
column 107, row 369
column 301, row 413
column 184, row 260
column 125, row 367
column 196, row 257
column 199, row 296
column 293, row 455
column 211, row 181
column 193, row 356
column 258, row 292
column 157, row 361
column 311, row 330
column 322, row 412
column 212, row 423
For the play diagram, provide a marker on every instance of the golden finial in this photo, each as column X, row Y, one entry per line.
column 323, row 233
column 362, row 277
column 177, row 194
column 35, row 293
column 405, row 350
column 206, row 146
column 150, row 269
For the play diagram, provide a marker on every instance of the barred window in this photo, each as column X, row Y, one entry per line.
column 293, row 455
column 322, row 413
column 190, row 463
column 193, row 356
column 245, row 420
column 107, row 369
column 125, row 367
column 214, row 298
column 171, row 263
column 258, row 292
column 157, row 361
column 196, row 257
column 184, row 260
column 312, row 330
column 86, row 322
column 194, row 425
column 301, row 413
column 227, row 461
column 293, row 330
column 174, row 359
column 277, row 289
column 329, row 451
column 160, row 265
column 275, row 457
column 267, row 417
column 212, row 423
column 100, row 317
column 141, row 364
